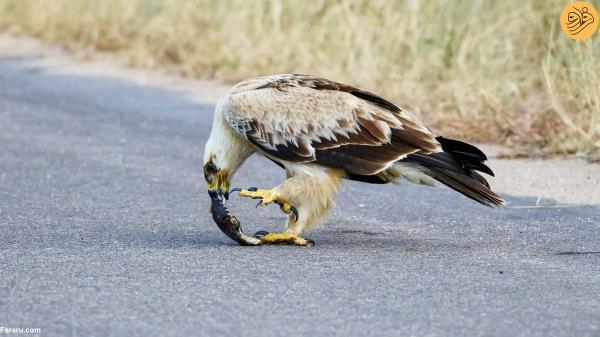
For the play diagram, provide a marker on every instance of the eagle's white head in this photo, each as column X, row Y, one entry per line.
column 224, row 152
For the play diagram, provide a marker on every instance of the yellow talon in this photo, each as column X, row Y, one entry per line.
column 287, row 208
column 283, row 237
column 267, row 197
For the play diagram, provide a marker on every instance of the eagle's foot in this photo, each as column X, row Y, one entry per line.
column 283, row 237
column 267, row 197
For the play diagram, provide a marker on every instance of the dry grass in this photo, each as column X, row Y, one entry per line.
column 481, row 70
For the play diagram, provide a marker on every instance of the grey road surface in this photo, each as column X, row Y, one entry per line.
column 105, row 231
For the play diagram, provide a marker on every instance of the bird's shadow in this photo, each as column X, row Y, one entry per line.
column 325, row 239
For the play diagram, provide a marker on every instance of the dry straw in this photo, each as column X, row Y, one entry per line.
column 479, row 70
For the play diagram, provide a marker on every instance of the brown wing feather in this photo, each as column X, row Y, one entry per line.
column 301, row 118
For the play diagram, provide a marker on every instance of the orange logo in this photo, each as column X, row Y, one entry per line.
column 579, row 20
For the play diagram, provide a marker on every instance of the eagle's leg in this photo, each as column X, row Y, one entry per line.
column 313, row 196
column 270, row 196
column 267, row 197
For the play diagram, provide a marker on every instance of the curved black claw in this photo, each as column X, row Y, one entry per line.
column 295, row 211
column 260, row 234
column 239, row 189
column 309, row 242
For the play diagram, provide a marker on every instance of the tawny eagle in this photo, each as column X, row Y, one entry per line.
column 321, row 132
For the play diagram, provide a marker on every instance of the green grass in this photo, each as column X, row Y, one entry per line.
column 499, row 71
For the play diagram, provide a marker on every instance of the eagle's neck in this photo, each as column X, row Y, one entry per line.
column 227, row 148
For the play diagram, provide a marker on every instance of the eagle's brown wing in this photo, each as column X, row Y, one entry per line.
column 301, row 118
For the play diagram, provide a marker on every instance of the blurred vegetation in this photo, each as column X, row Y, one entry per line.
column 499, row 71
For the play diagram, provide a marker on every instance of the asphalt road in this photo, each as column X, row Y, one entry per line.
column 105, row 230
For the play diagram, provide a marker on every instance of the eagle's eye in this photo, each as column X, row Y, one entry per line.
column 210, row 168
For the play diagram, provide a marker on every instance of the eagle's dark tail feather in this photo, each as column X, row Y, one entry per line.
column 456, row 168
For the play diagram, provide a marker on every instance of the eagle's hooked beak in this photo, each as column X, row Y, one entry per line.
column 217, row 184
